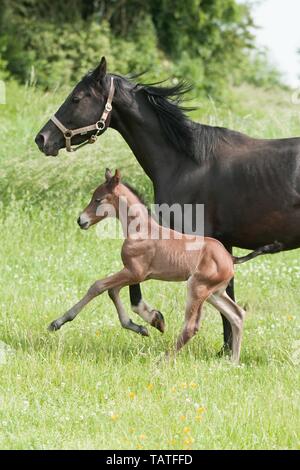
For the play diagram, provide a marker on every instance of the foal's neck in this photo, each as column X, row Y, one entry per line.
column 132, row 213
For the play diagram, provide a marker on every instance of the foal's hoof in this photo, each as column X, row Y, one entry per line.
column 143, row 331
column 54, row 326
column 158, row 321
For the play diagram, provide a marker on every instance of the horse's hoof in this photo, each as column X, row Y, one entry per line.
column 54, row 326
column 158, row 321
column 225, row 351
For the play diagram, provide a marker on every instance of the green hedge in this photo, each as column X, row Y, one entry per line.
column 206, row 42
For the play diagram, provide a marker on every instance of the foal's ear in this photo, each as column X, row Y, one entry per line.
column 117, row 177
column 108, row 174
column 100, row 71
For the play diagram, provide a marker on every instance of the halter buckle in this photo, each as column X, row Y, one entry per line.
column 100, row 125
column 108, row 107
column 68, row 134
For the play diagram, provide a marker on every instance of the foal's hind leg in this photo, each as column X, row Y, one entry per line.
column 197, row 294
column 235, row 315
column 125, row 321
column 151, row 316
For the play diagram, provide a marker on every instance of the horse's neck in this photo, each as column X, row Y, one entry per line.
column 139, row 126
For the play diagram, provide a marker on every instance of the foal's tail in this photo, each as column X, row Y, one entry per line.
column 264, row 250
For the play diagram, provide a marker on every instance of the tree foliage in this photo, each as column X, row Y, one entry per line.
column 53, row 42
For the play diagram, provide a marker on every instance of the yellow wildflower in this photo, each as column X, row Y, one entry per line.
column 186, row 430
column 193, row 385
column 188, row 441
column 200, row 410
column 172, row 442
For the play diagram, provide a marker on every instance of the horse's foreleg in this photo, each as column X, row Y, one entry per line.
column 119, row 279
column 125, row 321
column 150, row 315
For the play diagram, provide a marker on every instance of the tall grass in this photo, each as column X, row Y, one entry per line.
column 94, row 385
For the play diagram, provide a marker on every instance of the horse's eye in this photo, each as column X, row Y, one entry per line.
column 75, row 99
column 98, row 200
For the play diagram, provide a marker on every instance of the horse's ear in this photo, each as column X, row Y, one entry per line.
column 108, row 174
column 100, row 71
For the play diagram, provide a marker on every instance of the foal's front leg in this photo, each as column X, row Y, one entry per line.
column 119, row 279
column 125, row 321
column 153, row 317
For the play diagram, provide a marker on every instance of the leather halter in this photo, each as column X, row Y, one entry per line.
column 99, row 126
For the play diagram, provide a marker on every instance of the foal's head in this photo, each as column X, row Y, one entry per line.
column 104, row 202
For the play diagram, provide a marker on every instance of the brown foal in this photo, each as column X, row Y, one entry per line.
column 165, row 255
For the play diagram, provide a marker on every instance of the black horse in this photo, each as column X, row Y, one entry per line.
column 250, row 187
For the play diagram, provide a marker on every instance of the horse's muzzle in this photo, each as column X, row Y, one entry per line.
column 45, row 147
column 84, row 225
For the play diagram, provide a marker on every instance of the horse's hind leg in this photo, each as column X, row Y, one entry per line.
column 151, row 316
column 125, row 321
column 227, row 330
column 235, row 315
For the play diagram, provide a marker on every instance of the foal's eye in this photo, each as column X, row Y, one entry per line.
column 75, row 99
column 98, row 200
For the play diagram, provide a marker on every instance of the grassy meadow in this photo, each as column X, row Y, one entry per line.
column 94, row 385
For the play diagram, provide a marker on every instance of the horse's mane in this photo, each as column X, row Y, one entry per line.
column 194, row 140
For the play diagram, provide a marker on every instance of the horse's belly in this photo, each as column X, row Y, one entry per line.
column 275, row 226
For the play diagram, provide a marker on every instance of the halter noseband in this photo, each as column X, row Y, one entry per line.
column 99, row 126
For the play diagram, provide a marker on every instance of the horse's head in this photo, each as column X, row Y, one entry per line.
column 104, row 202
column 83, row 116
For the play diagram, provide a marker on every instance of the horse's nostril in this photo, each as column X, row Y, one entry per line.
column 40, row 141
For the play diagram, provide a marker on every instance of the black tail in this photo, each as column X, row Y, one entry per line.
column 264, row 250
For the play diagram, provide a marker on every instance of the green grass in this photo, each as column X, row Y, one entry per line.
column 93, row 384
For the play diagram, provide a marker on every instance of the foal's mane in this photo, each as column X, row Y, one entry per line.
column 137, row 194
column 193, row 140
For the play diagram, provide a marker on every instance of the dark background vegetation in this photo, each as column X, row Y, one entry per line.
column 95, row 385
column 210, row 42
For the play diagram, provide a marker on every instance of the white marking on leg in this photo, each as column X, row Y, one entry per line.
column 144, row 311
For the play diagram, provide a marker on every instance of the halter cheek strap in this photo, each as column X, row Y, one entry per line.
column 99, row 126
